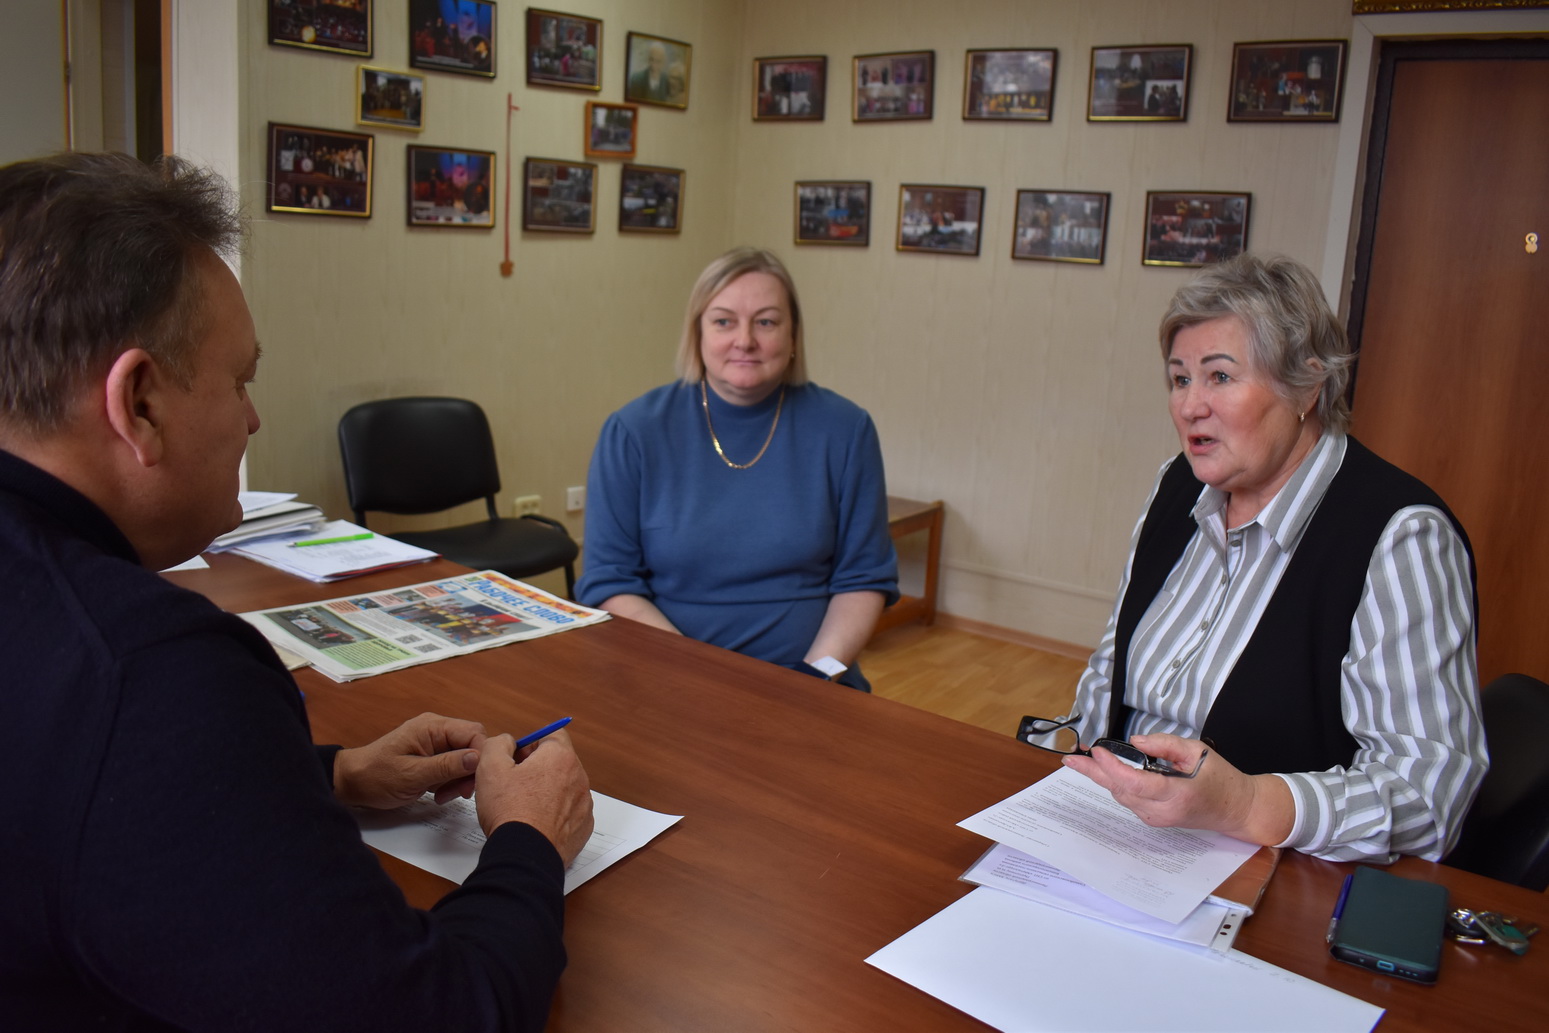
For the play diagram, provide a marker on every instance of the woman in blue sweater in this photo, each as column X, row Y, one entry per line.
column 742, row 505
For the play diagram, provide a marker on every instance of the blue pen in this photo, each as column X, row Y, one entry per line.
column 1339, row 909
column 529, row 739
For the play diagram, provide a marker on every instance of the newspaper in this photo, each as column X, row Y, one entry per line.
column 360, row 635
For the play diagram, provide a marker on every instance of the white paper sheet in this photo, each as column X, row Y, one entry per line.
column 1011, row 871
column 336, row 560
column 1073, row 823
column 1024, row 967
column 252, row 501
column 446, row 840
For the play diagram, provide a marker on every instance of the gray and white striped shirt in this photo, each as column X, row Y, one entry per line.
column 1411, row 687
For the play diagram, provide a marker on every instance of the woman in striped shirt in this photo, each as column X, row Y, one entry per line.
column 1293, row 601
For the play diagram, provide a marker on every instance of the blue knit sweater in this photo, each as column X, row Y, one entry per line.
column 743, row 559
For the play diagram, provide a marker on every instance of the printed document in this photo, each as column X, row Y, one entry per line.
column 445, row 840
column 1074, row 824
column 1212, row 924
column 1021, row 967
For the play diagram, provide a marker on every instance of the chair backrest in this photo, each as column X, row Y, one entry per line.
column 1506, row 834
column 417, row 455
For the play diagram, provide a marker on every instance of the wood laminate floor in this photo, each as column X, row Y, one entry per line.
column 982, row 681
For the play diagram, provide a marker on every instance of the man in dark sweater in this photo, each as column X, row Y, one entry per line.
column 174, row 852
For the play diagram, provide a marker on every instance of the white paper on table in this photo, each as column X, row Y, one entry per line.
column 445, row 840
column 192, row 563
column 1023, row 967
column 328, row 562
column 251, row 501
column 1011, row 871
column 1073, row 823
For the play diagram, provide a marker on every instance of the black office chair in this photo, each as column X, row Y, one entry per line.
column 1506, row 833
column 422, row 455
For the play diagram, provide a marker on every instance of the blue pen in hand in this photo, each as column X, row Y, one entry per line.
column 1339, row 909
column 532, row 737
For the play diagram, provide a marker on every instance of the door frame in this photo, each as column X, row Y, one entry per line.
column 1368, row 32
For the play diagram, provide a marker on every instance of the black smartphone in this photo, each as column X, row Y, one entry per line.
column 1390, row 924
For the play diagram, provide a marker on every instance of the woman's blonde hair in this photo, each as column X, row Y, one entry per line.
column 717, row 276
column 1293, row 335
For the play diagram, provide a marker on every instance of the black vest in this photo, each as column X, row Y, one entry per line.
column 1279, row 709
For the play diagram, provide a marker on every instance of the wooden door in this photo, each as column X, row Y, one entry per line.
column 1449, row 314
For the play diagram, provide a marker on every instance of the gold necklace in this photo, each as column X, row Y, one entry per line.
column 704, row 400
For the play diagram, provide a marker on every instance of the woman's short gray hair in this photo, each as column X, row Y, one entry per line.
column 1293, row 335
column 716, row 277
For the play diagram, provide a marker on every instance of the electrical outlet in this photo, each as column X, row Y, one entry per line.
column 575, row 500
column 526, row 504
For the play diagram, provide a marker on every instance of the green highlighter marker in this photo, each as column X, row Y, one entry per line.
column 333, row 541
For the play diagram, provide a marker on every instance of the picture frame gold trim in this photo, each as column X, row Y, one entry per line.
column 765, row 102
column 547, row 207
column 1297, row 80
column 318, row 171
column 980, row 106
column 630, row 176
column 678, row 74
column 885, row 99
column 817, row 226
column 375, row 117
column 450, row 188
column 1038, row 209
column 282, row 16
column 1176, row 221
column 932, row 217
column 595, row 146
column 1420, row 6
column 537, row 57
column 1119, row 75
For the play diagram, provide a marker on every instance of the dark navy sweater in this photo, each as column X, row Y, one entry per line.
column 171, row 852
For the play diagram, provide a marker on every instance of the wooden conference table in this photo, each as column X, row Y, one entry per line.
column 819, row 825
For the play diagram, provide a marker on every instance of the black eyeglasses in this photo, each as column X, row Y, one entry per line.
column 1060, row 737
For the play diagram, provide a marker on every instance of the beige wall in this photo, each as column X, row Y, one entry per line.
column 1026, row 394
column 349, row 310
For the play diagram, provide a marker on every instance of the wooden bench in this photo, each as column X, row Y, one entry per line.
column 910, row 516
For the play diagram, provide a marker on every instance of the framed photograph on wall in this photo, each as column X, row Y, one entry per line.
column 657, row 71
column 894, row 87
column 449, row 187
column 942, row 219
column 650, row 199
column 384, row 97
column 1009, row 85
column 319, row 171
column 563, row 50
column 335, row 28
column 789, row 89
column 1060, row 226
column 1294, row 81
column 611, row 129
column 832, row 211
column 453, row 36
column 559, row 196
column 1140, row 84
column 1194, row 228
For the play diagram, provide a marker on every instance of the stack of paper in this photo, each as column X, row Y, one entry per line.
column 1066, row 842
column 1027, row 955
column 268, row 513
column 347, row 550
